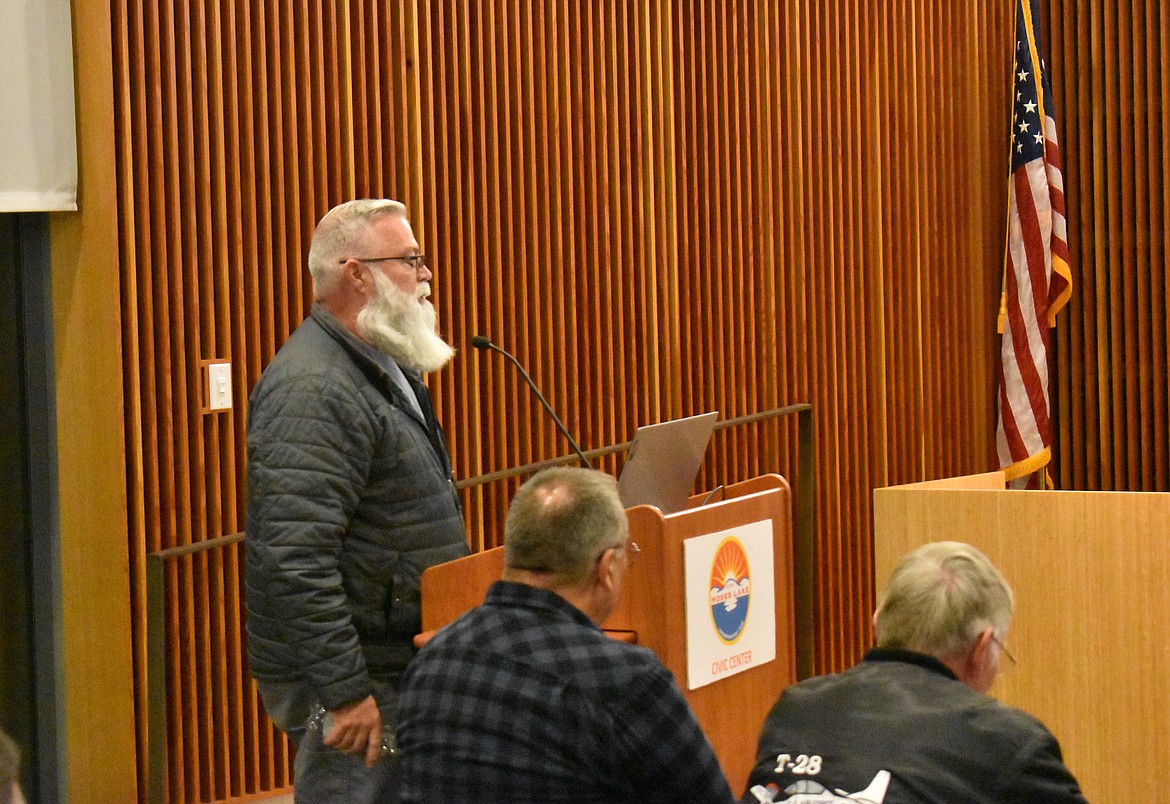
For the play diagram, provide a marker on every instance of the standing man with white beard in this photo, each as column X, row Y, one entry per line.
column 349, row 499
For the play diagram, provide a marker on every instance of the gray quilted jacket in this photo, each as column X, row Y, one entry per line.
column 349, row 500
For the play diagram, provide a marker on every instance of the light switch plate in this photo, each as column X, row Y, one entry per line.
column 219, row 386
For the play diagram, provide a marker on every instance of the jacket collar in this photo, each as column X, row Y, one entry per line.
column 908, row 657
column 367, row 358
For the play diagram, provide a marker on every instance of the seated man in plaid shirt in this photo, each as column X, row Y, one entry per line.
column 524, row 699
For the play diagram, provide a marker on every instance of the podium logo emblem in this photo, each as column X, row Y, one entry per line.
column 730, row 590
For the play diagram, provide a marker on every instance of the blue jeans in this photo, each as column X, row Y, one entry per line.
column 322, row 775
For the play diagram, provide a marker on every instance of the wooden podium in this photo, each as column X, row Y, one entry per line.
column 651, row 611
column 1091, row 574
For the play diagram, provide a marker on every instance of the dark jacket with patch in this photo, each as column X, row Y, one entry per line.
column 900, row 726
column 349, row 499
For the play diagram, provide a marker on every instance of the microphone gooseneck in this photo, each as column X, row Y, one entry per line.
column 482, row 342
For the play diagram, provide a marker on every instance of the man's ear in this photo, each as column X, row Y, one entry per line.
column 355, row 274
column 980, row 650
column 978, row 670
column 608, row 569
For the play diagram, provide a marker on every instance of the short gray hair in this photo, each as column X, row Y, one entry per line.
column 561, row 520
column 339, row 231
column 939, row 598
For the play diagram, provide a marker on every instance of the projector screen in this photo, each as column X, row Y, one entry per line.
column 38, row 133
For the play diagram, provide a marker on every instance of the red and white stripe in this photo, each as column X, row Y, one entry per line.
column 1036, row 285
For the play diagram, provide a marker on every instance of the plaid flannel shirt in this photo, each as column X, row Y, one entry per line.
column 524, row 699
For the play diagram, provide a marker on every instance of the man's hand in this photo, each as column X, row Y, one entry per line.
column 357, row 729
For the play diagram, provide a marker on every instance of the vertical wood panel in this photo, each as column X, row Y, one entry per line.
column 662, row 208
column 1109, row 80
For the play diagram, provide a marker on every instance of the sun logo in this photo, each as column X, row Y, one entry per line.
column 730, row 590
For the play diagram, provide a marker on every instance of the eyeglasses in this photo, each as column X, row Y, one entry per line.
column 1003, row 648
column 631, row 547
column 415, row 261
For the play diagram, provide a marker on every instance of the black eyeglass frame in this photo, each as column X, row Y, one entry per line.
column 415, row 261
column 1004, row 650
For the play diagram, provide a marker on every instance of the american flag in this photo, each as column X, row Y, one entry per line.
column 1037, row 278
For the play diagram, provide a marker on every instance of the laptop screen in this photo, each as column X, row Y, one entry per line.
column 663, row 462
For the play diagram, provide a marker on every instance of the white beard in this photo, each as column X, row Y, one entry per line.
column 403, row 326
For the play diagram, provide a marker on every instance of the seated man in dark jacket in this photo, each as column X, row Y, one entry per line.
column 349, row 500
column 525, row 699
column 912, row 722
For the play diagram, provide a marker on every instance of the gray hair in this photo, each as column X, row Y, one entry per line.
column 561, row 520
column 342, row 229
column 939, row 598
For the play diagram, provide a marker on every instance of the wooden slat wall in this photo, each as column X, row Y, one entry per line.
column 1112, row 85
column 661, row 208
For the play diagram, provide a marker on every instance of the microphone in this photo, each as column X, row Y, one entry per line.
column 481, row 342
